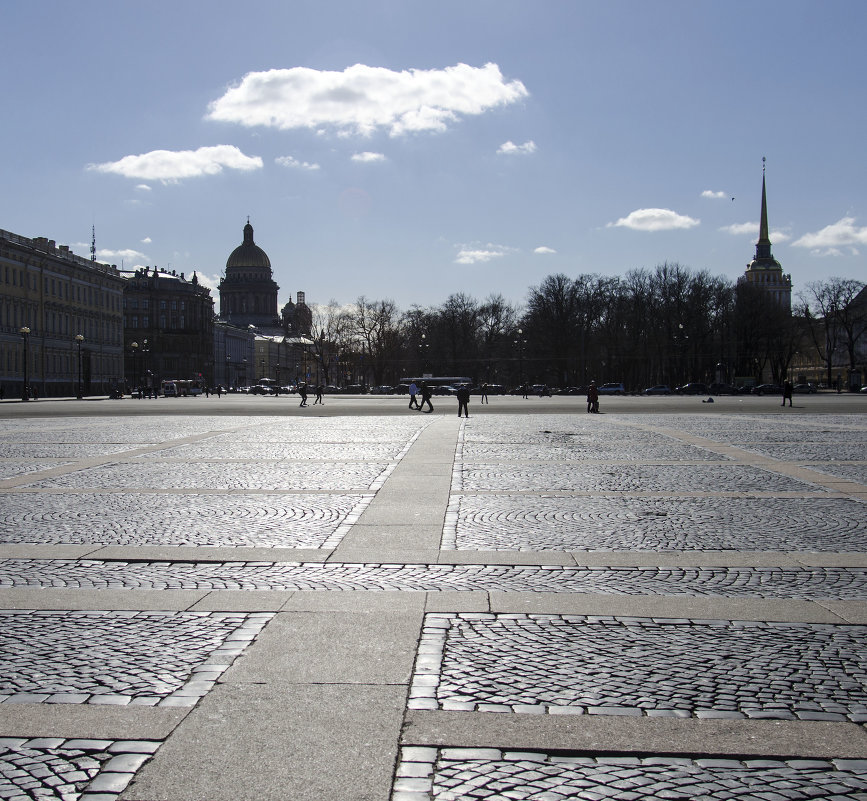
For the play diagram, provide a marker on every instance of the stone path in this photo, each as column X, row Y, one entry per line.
column 523, row 606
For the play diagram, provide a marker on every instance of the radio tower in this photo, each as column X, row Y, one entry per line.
column 93, row 243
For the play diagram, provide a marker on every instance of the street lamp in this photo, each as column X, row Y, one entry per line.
column 134, row 346
column 422, row 352
column 276, row 380
column 228, row 372
column 79, row 339
column 519, row 343
column 25, row 393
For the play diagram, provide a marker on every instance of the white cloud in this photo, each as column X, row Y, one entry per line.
column 654, row 220
column 511, row 149
column 292, row 163
column 212, row 282
column 363, row 99
column 711, row 194
column 544, row 249
column 146, row 240
column 124, row 255
column 170, row 166
column 751, row 230
column 835, row 239
column 367, row 157
column 469, row 254
column 143, row 188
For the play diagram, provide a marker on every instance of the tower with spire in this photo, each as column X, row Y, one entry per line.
column 764, row 271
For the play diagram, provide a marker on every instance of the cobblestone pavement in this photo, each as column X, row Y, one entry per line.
column 608, row 665
column 621, row 523
column 735, row 582
column 55, row 768
column 256, row 520
column 648, row 483
column 139, row 658
column 677, row 478
column 449, row 774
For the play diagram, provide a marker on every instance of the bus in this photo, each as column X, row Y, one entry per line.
column 181, row 387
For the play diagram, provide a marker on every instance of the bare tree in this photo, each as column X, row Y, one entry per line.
column 377, row 330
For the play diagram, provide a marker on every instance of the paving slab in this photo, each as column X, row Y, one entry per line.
column 76, row 598
column 614, row 734
column 305, row 742
column 81, row 720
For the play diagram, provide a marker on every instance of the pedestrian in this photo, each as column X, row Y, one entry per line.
column 302, row 391
column 787, row 392
column 2, row 393
column 207, row 391
column 592, row 399
column 219, row 390
column 413, row 391
column 319, row 390
column 463, row 396
column 426, row 393
column 524, row 390
column 484, row 394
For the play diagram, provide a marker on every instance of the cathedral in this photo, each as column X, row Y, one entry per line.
column 248, row 293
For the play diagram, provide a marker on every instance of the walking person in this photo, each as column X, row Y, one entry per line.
column 463, row 396
column 592, row 399
column 319, row 390
column 413, row 391
column 302, row 391
column 426, row 393
column 787, row 392
column 484, row 394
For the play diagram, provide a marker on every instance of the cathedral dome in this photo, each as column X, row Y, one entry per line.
column 248, row 254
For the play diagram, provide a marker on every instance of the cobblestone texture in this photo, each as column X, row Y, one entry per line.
column 741, row 582
column 56, row 769
column 101, row 518
column 325, row 477
column 676, row 478
column 849, row 472
column 640, row 666
column 147, row 658
column 450, row 774
column 219, row 448
column 605, row 451
column 12, row 468
column 810, row 451
column 564, row 523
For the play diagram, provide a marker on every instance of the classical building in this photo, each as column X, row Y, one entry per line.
column 248, row 294
column 764, row 271
column 248, row 291
column 168, row 328
column 60, row 320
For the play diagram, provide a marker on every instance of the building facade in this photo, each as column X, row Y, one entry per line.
column 60, row 320
column 168, row 329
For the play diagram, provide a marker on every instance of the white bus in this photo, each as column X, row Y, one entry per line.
column 181, row 387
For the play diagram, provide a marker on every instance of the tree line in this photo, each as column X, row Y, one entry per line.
column 669, row 325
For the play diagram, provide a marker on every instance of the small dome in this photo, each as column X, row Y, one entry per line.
column 248, row 254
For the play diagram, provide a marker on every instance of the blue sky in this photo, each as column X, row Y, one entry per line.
column 409, row 150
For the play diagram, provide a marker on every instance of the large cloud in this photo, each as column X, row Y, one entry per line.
column 654, row 220
column 841, row 234
column 363, row 99
column 169, row 166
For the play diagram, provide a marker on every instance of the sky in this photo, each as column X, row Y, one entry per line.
column 408, row 150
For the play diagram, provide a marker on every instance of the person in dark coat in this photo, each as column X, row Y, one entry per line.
column 787, row 392
column 463, row 396
column 593, row 398
column 426, row 393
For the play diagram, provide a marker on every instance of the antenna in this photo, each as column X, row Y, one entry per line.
column 93, row 243
column 763, row 164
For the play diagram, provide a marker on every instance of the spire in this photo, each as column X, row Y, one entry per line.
column 763, row 246
column 248, row 233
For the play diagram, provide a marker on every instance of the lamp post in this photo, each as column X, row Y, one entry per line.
column 134, row 346
column 79, row 338
column 276, row 380
column 228, row 372
column 519, row 343
column 145, row 350
column 25, row 392
column 422, row 352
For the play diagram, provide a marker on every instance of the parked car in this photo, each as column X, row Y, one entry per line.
column 804, row 389
column 693, row 388
column 382, row 390
column 542, row 390
column 612, row 389
column 444, row 389
column 658, row 389
column 722, row 389
column 768, row 389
